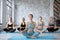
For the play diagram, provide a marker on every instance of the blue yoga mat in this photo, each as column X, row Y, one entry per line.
column 18, row 32
column 39, row 38
column 3, row 32
column 9, row 32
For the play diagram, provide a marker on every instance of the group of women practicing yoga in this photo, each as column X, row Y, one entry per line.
column 31, row 29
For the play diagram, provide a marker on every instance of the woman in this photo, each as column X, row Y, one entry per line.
column 31, row 28
column 22, row 25
column 52, row 25
column 10, row 26
column 40, row 25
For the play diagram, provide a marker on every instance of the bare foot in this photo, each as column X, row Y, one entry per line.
column 40, row 32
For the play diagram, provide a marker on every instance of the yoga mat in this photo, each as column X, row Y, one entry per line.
column 47, row 37
column 9, row 32
column 17, row 32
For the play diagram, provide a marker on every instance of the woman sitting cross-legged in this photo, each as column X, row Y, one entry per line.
column 10, row 26
column 40, row 25
column 22, row 25
column 52, row 25
column 31, row 28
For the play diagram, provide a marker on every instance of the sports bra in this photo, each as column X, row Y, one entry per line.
column 23, row 25
column 51, row 23
column 10, row 25
column 40, row 26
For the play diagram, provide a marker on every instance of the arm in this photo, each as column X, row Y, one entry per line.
column 36, row 27
column 54, row 24
column 42, row 24
column 26, row 26
column 13, row 25
column 48, row 24
column 20, row 26
column 43, row 27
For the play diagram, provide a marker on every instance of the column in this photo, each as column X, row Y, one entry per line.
column 3, row 12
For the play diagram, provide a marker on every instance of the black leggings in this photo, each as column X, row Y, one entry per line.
column 20, row 29
column 9, row 29
column 52, row 29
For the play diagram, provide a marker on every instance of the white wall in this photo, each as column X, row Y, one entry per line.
column 38, row 8
column 0, row 10
column 3, row 11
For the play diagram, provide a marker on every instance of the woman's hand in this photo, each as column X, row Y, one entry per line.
column 41, row 32
column 31, row 30
column 21, row 31
column 24, row 30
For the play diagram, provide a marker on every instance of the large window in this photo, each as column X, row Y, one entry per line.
column 9, row 7
column 6, row 9
column 57, row 9
column 0, row 13
column 57, row 12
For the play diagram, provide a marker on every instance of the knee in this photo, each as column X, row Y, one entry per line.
column 18, row 29
column 36, row 34
column 4, row 29
column 12, row 30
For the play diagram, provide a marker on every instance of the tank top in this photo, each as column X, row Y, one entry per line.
column 51, row 23
column 11, row 26
column 23, row 25
column 40, row 26
column 31, row 26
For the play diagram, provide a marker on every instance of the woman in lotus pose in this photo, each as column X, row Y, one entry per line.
column 52, row 25
column 31, row 28
column 22, row 25
column 10, row 26
column 40, row 25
